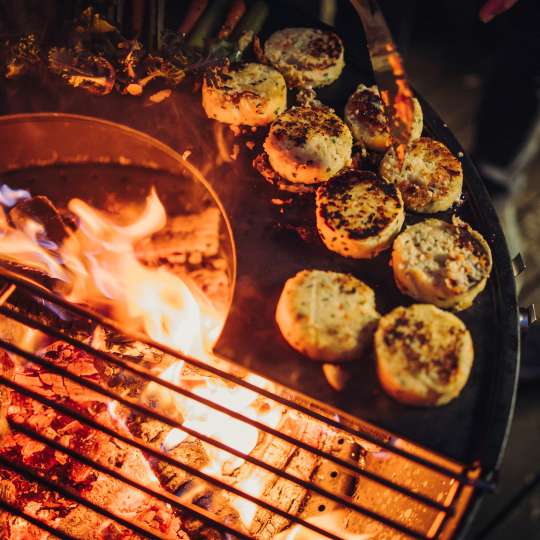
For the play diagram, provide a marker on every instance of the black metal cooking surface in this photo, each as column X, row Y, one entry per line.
column 274, row 241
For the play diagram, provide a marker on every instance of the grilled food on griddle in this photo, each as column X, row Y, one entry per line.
column 446, row 264
column 306, row 56
column 358, row 214
column 424, row 354
column 364, row 114
column 430, row 179
column 244, row 94
column 327, row 316
column 308, row 145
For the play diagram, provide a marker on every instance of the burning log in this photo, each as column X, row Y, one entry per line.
column 191, row 451
column 189, row 245
column 6, row 369
column 31, row 221
column 183, row 238
column 41, row 210
column 121, row 380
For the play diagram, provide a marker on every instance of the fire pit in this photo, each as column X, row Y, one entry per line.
column 146, row 389
column 105, row 409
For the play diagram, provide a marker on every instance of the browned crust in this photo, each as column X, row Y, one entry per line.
column 365, row 106
column 307, row 119
column 443, row 186
column 321, row 53
column 262, row 165
column 424, row 355
column 218, row 78
column 410, row 336
column 337, row 192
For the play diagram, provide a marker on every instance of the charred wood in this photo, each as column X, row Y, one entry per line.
column 41, row 210
column 189, row 451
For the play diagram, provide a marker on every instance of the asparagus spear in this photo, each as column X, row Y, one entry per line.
column 208, row 24
column 253, row 20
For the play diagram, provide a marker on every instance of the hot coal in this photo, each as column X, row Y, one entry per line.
column 97, row 487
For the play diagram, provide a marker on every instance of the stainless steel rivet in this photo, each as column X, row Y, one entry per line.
column 518, row 265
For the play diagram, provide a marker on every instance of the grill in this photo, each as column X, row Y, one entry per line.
column 452, row 482
column 353, row 463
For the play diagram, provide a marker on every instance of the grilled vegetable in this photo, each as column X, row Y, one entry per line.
column 208, row 24
column 236, row 12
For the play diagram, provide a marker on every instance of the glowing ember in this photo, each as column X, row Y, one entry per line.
column 331, row 522
column 253, row 485
column 218, row 426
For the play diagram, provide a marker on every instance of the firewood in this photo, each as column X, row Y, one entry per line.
column 190, row 451
column 182, row 237
column 194, row 490
column 66, row 515
column 283, row 493
column 40, row 209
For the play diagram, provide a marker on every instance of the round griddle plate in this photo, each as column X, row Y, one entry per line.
column 274, row 241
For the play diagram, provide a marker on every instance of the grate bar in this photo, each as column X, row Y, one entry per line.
column 164, row 496
column 90, row 316
column 175, row 424
column 73, row 495
column 31, row 519
column 170, row 460
column 147, row 374
column 163, row 457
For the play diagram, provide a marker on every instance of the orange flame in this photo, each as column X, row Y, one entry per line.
column 97, row 265
column 333, row 522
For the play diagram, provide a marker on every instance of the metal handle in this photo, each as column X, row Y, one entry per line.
column 527, row 317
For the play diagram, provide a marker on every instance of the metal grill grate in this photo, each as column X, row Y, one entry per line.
column 459, row 476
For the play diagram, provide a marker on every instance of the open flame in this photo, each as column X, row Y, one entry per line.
column 219, row 426
column 97, row 265
column 331, row 522
column 102, row 259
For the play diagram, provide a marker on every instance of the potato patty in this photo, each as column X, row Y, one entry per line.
column 446, row 264
column 244, row 94
column 431, row 178
column 364, row 114
column 424, row 354
column 306, row 56
column 308, row 145
column 327, row 316
column 358, row 214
